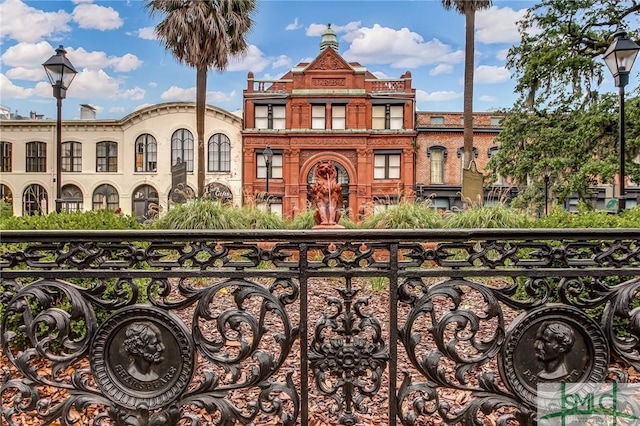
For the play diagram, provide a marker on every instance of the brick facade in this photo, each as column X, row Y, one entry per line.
column 444, row 131
column 332, row 112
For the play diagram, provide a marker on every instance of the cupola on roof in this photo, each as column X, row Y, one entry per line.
column 329, row 39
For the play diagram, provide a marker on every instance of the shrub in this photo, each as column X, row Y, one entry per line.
column 497, row 216
column 210, row 214
column 90, row 220
column 405, row 215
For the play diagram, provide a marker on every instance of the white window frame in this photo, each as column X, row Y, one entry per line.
column 338, row 117
column 387, row 117
column 270, row 117
column 386, row 166
column 276, row 166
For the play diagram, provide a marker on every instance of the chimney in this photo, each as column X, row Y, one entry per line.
column 87, row 112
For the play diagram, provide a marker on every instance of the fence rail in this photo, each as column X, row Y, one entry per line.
column 294, row 327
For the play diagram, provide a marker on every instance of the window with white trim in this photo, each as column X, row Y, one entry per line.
column 318, row 113
column 338, row 117
column 386, row 165
column 270, row 116
column 276, row 166
column 387, row 116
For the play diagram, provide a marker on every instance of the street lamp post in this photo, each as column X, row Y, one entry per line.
column 619, row 58
column 546, row 194
column 267, row 154
column 61, row 73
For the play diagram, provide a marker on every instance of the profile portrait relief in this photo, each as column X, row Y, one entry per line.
column 553, row 341
column 143, row 344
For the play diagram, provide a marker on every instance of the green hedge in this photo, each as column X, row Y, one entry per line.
column 206, row 214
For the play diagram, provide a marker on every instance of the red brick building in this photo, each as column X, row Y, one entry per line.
column 440, row 142
column 329, row 110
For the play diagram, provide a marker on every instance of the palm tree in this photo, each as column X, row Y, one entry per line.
column 203, row 34
column 468, row 8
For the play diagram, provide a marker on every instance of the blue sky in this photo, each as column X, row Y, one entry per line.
column 123, row 68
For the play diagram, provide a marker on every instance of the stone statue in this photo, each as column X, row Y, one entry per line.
column 326, row 195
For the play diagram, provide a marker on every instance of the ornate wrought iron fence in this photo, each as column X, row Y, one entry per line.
column 275, row 327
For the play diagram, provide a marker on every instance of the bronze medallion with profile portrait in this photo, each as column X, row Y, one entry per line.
column 552, row 344
column 142, row 356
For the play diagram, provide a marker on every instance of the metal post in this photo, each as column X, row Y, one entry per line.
column 268, row 163
column 546, row 195
column 59, row 156
column 622, row 198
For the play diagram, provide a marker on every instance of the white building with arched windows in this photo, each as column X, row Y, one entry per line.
column 123, row 164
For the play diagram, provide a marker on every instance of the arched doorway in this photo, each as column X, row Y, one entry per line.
column 34, row 200
column 145, row 202
column 6, row 203
column 343, row 179
column 71, row 198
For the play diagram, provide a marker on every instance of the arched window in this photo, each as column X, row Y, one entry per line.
column 34, row 200
column 105, row 197
column 146, row 154
column 7, row 200
column 71, row 157
column 106, row 157
column 71, row 198
column 145, row 202
column 219, row 153
column 182, row 148
column 36, row 157
column 437, row 156
column 5, row 157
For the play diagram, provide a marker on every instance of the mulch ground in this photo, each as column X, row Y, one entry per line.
column 321, row 406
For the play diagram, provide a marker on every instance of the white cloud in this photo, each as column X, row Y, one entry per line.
column 153, row 84
column 316, row 30
column 441, row 69
column 282, row 61
column 97, row 60
column 27, row 55
column 440, row 96
column 501, row 55
column 23, row 23
column 399, row 48
column 254, row 60
column 95, row 17
column 293, row 26
column 94, row 85
column 147, row 33
column 491, row 74
column 10, row 90
column 487, row 98
column 175, row 93
column 498, row 25
column 126, row 63
column 117, row 110
column 380, row 74
column 28, row 74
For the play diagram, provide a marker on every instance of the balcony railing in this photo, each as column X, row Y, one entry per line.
column 389, row 86
column 311, row 327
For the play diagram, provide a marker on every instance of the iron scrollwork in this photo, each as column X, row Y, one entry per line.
column 476, row 319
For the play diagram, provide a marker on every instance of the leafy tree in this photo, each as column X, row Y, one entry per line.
column 203, row 34
column 561, row 126
column 468, row 8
